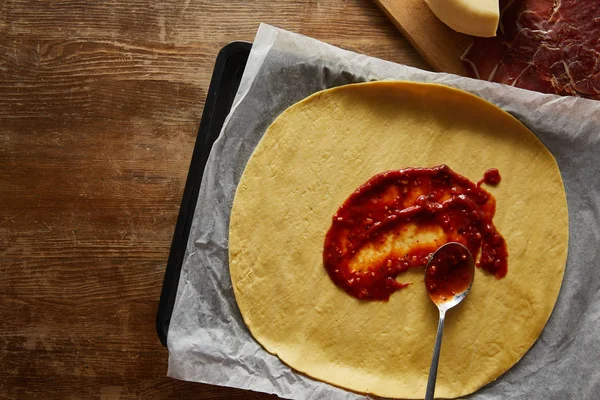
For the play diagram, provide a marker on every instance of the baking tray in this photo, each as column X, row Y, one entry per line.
column 224, row 83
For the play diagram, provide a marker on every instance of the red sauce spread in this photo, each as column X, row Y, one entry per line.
column 448, row 273
column 491, row 176
column 360, row 254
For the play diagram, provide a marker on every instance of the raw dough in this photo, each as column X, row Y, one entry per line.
column 308, row 162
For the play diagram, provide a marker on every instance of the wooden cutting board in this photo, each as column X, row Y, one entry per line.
column 439, row 45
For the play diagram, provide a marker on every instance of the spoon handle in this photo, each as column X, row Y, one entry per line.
column 436, row 357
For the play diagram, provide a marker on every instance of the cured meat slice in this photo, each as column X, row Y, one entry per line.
column 551, row 46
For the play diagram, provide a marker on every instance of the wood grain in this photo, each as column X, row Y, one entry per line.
column 100, row 102
column 439, row 45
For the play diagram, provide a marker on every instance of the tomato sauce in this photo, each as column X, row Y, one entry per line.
column 391, row 204
column 449, row 272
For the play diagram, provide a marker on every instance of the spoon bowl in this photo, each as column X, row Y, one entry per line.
column 448, row 278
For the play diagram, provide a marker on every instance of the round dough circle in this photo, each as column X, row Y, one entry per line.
column 309, row 161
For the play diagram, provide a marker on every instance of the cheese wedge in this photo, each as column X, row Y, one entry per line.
column 473, row 17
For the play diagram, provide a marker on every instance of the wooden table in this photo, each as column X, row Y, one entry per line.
column 100, row 102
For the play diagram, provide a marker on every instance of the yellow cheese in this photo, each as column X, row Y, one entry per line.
column 473, row 17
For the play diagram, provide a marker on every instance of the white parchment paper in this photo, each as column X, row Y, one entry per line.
column 208, row 340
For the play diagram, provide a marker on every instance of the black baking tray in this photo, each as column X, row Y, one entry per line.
column 224, row 84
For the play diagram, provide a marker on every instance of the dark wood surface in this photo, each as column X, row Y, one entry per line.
column 100, row 102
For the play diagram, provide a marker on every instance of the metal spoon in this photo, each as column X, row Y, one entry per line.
column 448, row 278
